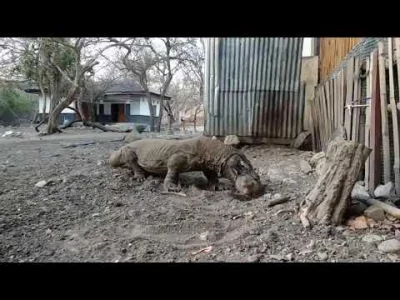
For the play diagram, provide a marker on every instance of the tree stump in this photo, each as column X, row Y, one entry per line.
column 327, row 202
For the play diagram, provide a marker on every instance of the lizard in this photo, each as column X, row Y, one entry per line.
column 169, row 158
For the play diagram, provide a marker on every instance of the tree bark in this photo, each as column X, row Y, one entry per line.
column 329, row 199
column 160, row 113
column 80, row 109
column 151, row 110
column 52, row 124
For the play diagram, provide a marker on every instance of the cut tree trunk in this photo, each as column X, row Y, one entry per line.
column 329, row 199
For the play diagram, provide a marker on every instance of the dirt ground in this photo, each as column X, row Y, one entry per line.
column 91, row 213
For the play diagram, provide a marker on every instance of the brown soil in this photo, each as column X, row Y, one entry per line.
column 90, row 212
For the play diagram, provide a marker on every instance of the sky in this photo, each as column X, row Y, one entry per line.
column 307, row 47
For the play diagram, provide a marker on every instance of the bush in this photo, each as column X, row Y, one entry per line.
column 15, row 105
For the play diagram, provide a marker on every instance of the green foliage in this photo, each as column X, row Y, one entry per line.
column 38, row 62
column 14, row 101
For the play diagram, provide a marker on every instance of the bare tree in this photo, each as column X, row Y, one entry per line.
column 85, row 60
column 194, row 78
column 138, row 60
column 148, row 59
column 171, row 55
column 95, row 89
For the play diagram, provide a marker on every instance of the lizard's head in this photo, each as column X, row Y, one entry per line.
column 241, row 172
column 248, row 187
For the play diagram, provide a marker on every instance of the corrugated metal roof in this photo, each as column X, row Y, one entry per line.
column 252, row 87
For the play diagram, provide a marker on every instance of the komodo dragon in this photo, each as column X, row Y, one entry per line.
column 172, row 157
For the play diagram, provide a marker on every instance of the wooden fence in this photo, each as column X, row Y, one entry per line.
column 364, row 97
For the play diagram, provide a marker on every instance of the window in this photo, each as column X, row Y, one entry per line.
column 107, row 109
column 134, row 108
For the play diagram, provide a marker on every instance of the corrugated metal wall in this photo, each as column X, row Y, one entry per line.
column 252, row 87
column 332, row 51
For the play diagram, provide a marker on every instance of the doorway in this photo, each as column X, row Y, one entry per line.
column 117, row 112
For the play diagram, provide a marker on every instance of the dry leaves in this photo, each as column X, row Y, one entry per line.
column 358, row 223
column 204, row 250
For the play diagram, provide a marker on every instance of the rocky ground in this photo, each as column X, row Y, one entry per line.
column 64, row 204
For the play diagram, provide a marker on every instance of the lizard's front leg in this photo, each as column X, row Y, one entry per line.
column 176, row 163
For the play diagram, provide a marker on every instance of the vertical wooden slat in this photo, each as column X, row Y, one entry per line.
column 328, row 107
column 318, row 118
column 332, row 52
column 321, row 114
column 376, row 132
column 356, row 100
column 335, row 101
column 324, row 104
column 368, row 69
column 342, row 96
column 385, row 124
column 396, row 165
column 349, row 95
column 332, row 96
column 314, row 123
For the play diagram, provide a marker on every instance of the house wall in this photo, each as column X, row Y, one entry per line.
column 65, row 116
column 309, row 75
column 136, row 109
column 332, row 52
column 47, row 104
column 253, row 89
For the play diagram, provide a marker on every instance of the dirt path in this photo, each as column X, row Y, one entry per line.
column 89, row 212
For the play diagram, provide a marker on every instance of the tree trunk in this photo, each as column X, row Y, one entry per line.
column 151, row 110
column 52, row 125
column 92, row 112
column 160, row 113
column 329, row 199
column 195, row 121
column 170, row 121
column 80, row 109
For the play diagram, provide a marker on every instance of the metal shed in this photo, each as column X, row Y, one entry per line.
column 253, row 89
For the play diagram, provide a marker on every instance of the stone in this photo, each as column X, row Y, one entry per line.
column 254, row 258
column 8, row 133
column 374, row 212
column 372, row 238
column 390, row 246
column 203, row 236
column 322, row 256
column 303, row 141
column 305, row 167
column 132, row 136
column 231, row 140
column 384, row 191
column 359, row 192
column 357, row 209
column 41, row 183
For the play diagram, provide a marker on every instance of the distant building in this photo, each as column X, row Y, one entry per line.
column 124, row 102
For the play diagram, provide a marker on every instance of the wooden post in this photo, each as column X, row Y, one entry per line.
column 376, row 132
column 328, row 101
column 356, row 100
column 324, row 114
column 349, row 95
column 332, row 102
column 335, row 101
column 396, row 165
column 368, row 69
column 342, row 95
column 384, row 113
